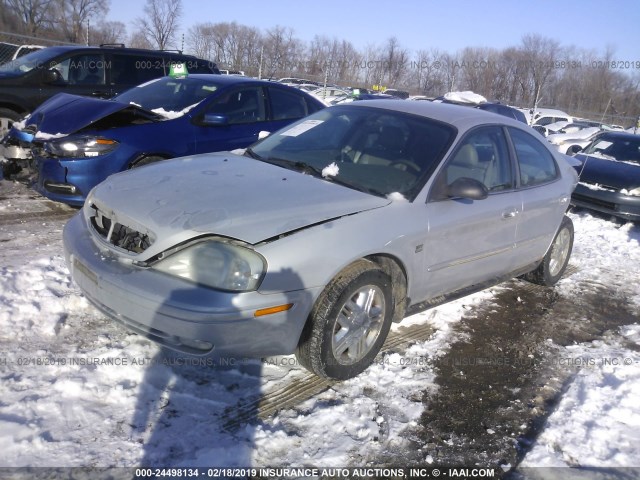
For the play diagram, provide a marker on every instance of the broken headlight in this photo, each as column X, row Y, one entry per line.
column 216, row 264
column 79, row 146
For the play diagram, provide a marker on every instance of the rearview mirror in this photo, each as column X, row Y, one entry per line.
column 467, row 188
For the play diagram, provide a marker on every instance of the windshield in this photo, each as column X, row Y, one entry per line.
column 611, row 147
column 370, row 149
column 26, row 63
column 169, row 94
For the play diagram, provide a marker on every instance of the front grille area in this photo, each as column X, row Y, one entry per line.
column 119, row 235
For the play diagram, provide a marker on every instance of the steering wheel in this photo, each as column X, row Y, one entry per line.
column 406, row 165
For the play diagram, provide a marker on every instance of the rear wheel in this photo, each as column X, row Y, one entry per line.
column 349, row 323
column 556, row 260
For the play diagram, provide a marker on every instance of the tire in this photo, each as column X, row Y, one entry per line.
column 7, row 118
column 146, row 161
column 556, row 259
column 332, row 346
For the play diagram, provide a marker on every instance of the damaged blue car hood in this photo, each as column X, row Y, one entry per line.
column 65, row 114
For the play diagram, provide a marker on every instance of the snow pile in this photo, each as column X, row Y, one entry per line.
column 397, row 197
column 50, row 136
column 597, row 422
column 170, row 114
column 37, row 297
column 465, row 97
column 330, row 170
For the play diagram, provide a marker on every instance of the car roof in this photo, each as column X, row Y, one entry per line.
column 459, row 116
column 69, row 48
column 619, row 135
column 231, row 79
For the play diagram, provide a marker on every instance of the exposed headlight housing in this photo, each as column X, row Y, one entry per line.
column 216, row 264
column 80, row 146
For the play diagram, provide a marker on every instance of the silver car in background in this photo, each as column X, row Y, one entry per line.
column 320, row 236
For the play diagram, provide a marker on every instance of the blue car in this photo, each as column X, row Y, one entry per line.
column 73, row 143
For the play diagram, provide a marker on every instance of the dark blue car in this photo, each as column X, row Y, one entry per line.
column 77, row 142
column 609, row 169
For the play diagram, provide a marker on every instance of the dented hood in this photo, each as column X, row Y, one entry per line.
column 221, row 194
column 66, row 114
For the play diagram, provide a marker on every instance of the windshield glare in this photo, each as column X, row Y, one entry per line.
column 26, row 63
column 374, row 150
column 170, row 94
column 615, row 148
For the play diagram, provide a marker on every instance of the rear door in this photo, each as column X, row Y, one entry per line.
column 286, row 106
column 472, row 241
column 544, row 197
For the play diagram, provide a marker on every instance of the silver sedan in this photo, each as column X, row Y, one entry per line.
column 320, row 236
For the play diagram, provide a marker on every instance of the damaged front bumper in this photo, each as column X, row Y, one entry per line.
column 16, row 155
column 183, row 316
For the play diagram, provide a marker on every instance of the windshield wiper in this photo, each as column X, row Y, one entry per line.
column 248, row 151
column 296, row 165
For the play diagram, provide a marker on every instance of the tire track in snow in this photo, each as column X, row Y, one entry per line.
column 298, row 391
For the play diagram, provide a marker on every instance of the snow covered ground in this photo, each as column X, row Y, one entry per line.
column 78, row 390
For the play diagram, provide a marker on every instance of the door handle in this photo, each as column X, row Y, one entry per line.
column 510, row 213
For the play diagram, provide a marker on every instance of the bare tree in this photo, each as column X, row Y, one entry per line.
column 138, row 40
column 108, row 32
column 539, row 55
column 282, row 52
column 34, row 14
column 160, row 22
column 72, row 17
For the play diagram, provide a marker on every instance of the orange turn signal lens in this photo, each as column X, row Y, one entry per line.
column 271, row 310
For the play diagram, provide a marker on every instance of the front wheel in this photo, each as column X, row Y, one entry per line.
column 349, row 323
column 557, row 257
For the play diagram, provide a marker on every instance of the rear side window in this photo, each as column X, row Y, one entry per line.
column 536, row 163
column 287, row 105
column 135, row 69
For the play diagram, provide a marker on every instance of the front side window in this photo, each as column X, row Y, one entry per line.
column 86, row 69
column 535, row 161
column 245, row 105
column 483, row 155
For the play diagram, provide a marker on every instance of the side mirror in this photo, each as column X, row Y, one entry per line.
column 263, row 134
column 52, row 76
column 213, row 120
column 467, row 188
column 573, row 149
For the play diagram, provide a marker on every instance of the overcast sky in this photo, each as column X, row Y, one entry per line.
column 423, row 24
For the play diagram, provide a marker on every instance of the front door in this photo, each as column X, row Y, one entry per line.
column 472, row 241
